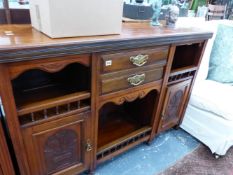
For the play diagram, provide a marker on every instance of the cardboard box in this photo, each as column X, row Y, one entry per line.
column 70, row 18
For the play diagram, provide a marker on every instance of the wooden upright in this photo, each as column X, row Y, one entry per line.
column 74, row 103
column 6, row 166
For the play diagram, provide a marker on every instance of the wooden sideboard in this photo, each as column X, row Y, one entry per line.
column 73, row 103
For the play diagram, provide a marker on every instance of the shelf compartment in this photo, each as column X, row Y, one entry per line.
column 41, row 95
column 37, row 85
column 187, row 55
column 55, row 107
column 123, row 125
column 122, row 144
column 117, row 122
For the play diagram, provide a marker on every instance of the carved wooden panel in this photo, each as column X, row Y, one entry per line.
column 173, row 105
column 60, row 150
column 128, row 97
column 58, row 146
column 175, row 99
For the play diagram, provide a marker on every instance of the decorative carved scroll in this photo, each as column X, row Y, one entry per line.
column 47, row 66
column 131, row 97
column 128, row 97
column 52, row 67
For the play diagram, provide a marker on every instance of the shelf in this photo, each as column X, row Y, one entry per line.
column 46, row 104
column 115, row 127
column 123, row 126
column 187, row 55
column 59, row 106
column 122, row 144
column 41, row 96
column 183, row 70
column 182, row 74
column 116, row 121
column 35, row 85
column 123, row 138
column 28, row 97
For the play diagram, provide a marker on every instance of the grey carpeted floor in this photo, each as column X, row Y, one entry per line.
column 202, row 162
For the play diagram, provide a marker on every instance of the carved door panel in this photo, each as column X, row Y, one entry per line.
column 175, row 100
column 58, row 147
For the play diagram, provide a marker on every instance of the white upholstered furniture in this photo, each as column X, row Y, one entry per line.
column 209, row 116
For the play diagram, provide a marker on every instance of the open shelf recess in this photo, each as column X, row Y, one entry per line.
column 125, row 125
column 41, row 95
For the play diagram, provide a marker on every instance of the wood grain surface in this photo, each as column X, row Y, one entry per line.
column 22, row 42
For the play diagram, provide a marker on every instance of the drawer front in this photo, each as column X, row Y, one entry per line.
column 133, row 58
column 130, row 78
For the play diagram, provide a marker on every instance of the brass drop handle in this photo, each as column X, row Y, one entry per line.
column 139, row 60
column 88, row 146
column 137, row 79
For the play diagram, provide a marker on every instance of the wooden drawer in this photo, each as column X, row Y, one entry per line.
column 133, row 58
column 130, row 78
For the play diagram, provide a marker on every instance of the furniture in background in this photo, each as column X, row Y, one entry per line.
column 202, row 11
column 6, row 166
column 13, row 13
column 216, row 11
column 209, row 115
column 74, row 103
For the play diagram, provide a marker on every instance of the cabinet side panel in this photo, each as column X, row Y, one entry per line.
column 12, row 120
column 6, row 166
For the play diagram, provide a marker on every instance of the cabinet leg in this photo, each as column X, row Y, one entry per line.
column 91, row 171
column 177, row 127
column 88, row 172
column 149, row 142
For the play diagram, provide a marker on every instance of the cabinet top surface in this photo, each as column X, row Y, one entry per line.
column 18, row 37
column 24, row 35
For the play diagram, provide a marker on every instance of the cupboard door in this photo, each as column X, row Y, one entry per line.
column 59, row 147
column 175, row 99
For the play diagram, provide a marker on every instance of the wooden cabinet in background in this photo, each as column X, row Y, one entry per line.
column 74, row 103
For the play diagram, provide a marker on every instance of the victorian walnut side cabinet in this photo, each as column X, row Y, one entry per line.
column 74, row 103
